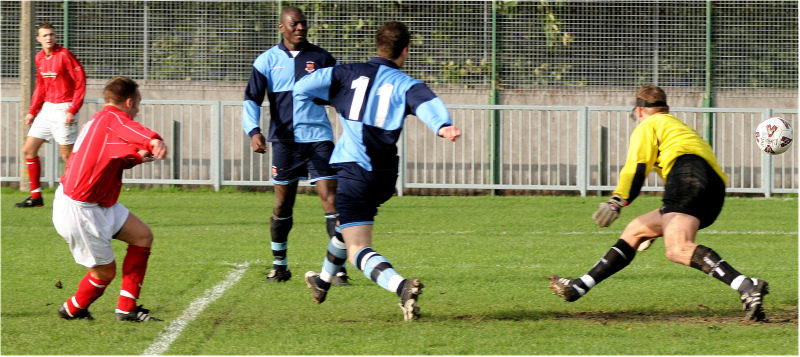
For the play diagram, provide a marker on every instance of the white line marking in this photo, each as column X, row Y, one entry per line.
column 174, row 330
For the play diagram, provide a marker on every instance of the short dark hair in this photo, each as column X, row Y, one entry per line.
column 45, row 25
column 289, row 9
column 652, row 98
column 391, row 39
column 119, row 89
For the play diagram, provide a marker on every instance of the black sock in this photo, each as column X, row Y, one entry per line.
column 399, row 291
column 708, row 261
column 331, row 227
column 279, row 232
column 324, row 285
column 618, row 257
column 330, row 223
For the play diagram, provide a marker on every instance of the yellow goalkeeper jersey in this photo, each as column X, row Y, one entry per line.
column 655, row 145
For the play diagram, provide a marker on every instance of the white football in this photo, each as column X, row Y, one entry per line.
column 774, row 135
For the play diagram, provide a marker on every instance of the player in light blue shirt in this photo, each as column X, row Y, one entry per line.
column 372, row 100
column 301, row 144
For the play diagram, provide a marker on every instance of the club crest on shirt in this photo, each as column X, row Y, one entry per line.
column 310, row 66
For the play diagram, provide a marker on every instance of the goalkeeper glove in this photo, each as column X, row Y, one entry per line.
column 609, row 211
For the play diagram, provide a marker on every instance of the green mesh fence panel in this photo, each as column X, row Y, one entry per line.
column 540, row 44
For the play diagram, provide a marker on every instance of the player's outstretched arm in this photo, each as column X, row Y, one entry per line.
column 315, row 86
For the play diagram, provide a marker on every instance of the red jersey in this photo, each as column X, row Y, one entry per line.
column 106, row 146
column 59, row 78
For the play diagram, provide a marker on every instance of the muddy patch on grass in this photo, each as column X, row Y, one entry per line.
column 698, row 315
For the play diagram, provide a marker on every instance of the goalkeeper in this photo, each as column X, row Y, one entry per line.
column 693, row 196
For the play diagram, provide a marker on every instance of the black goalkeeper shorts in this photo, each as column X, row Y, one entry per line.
column 694, row 188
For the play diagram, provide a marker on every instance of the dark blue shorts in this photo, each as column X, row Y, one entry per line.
column 694, row 188
column 301, row 161
column 359, row 193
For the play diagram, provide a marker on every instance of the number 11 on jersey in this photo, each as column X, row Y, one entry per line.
column 384, row 94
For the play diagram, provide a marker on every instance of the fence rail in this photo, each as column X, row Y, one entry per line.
column 565, row 148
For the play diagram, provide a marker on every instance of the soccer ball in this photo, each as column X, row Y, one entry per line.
column 774, row 135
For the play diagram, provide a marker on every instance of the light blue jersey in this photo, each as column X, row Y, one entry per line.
column 372, row 100
column 274, row 74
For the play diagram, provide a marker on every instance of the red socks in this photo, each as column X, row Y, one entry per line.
column 133, row 269
column 89, row 290
column 34, row 171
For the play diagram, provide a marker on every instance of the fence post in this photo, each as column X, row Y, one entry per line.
column 176, row 149
column 583, row 151
column 27, row 78
column 602, row 159
column 494, row 114
column 52, row 161
column 708, row 98
column 766, row 174
column 766, row 164
column 65, row 27
column 217, row 113
column 146, row 42
column 401, row 174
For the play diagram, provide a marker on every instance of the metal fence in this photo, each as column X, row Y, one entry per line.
column 576, row 148
column 457, row 44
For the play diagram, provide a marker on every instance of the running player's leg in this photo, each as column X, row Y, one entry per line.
column 693, row 198
column 621, row 254
column 333, row 271
column 288, row 167
column 679, row 236
column 323, row 176
column 64, row 133
column 65, row 150
column 90, row 288
column 34, row 166
column 87, row 231
column 139, row 238
column 280, row 224
column 378, row 269
column 359, row 194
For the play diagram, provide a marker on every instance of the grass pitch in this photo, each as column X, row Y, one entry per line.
column 485, row 263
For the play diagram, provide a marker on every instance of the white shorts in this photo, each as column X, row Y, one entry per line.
column 88, row 228
column 51, row 123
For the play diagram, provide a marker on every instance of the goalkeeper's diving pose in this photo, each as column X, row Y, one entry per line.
column 693, row 196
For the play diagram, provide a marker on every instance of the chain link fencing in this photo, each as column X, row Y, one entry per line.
column 457, row 45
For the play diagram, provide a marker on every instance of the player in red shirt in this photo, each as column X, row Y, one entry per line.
column 85, row 209
column 59, row 92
